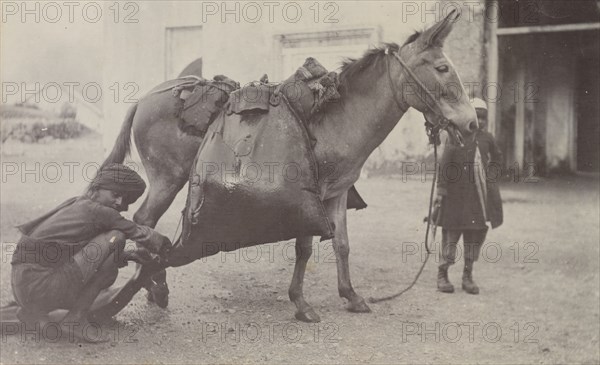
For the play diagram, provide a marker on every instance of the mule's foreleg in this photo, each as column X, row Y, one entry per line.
column 112, row 300
column 159, row 198
column 304, row 311
column 336, row 210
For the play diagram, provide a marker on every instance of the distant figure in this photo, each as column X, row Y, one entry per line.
column 469, row 197
column 65, row 258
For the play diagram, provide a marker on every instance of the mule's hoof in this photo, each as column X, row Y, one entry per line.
column 159, row 294
column 309, row 316
column 358, row 306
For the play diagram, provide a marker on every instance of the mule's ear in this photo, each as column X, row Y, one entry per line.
column 436, row 34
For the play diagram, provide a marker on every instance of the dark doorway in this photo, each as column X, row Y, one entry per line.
column 588, row 105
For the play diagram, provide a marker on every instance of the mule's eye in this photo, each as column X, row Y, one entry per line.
column 443, row 68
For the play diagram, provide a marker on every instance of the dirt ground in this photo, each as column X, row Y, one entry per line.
column 539, row 279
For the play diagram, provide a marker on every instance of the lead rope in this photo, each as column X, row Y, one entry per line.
column 177, row 229
column 377, row 300
column 433, row 134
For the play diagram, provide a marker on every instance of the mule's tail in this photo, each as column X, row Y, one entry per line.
column 122, row 146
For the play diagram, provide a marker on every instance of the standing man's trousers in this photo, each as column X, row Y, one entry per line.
column 473, row 240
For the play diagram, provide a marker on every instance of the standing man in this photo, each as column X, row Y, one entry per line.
column 65, row 258
column 469, row 197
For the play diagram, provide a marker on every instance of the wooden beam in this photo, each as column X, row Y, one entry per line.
column 548, row 28
column 520, row 121
column 491, row 47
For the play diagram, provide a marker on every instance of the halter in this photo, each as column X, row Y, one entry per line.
column 440, row 122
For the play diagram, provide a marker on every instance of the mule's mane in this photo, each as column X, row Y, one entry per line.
column 413, row 37
column 351, row 68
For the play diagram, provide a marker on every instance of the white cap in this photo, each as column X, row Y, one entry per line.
column 479, row 104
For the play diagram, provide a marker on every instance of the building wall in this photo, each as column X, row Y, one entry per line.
column 465, row 46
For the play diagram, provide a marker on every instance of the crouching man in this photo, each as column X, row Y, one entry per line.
column 66, row 257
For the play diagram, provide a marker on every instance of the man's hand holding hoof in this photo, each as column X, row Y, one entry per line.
column 139, row 255
column 157, row 244
column 157, row 248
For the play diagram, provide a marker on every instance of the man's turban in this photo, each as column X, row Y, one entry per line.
column 122, row 179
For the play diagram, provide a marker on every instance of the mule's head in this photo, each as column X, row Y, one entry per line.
column 423, row 55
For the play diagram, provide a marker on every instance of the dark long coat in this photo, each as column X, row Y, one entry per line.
column 462, row 206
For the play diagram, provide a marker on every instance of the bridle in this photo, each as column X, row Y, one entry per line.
column 439, row 122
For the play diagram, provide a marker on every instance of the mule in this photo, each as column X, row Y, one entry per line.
column 376, row 90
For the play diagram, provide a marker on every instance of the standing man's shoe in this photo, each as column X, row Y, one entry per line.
column 444, row 285
column 468, row 284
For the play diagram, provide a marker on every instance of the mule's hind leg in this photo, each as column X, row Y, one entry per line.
column 336, row 210
column 304, row 311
